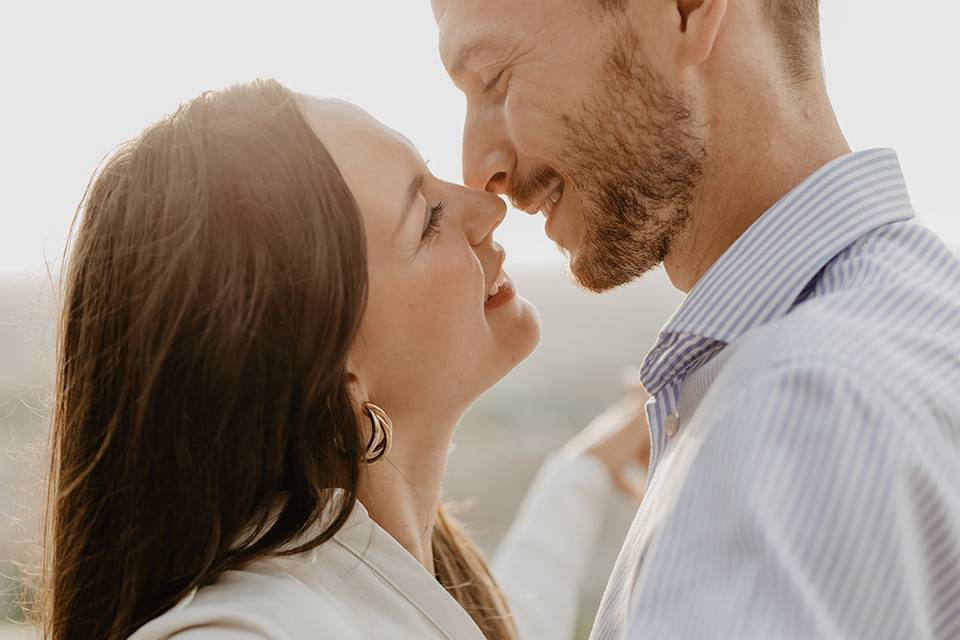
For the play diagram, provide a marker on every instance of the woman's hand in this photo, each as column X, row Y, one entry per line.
column 619, row 437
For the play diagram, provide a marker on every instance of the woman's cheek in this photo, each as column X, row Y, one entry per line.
column 453, row 290
column 442, row 330
column 455, row 273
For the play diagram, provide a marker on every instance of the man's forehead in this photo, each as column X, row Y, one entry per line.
column 463, row 14
column 466, row 27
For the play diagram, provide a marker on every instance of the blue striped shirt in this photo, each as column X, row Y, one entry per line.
column 805, row 422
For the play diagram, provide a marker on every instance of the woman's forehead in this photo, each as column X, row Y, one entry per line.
column 377, row 162
column 342, row 125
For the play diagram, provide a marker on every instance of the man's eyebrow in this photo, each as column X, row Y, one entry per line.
column 466, row 53
column 412, row 192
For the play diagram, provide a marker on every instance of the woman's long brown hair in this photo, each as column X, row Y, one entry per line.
column 213, row 288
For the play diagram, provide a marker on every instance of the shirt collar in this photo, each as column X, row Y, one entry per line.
column 761, row 275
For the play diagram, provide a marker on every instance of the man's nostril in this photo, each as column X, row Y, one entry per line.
column 497, row 183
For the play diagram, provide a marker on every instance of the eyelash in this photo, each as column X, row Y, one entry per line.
column 436, row 215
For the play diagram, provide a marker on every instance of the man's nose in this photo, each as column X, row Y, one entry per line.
column 489, row 158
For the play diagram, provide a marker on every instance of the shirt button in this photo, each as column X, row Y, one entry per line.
column 671, row 425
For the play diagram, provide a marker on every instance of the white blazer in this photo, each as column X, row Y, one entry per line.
column 363, row 584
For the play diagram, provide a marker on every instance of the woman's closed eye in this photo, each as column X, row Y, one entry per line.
column 433, row 221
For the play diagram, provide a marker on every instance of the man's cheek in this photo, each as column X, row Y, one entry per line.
column 536, row 131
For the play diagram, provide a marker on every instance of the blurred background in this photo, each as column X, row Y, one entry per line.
column 82, row 77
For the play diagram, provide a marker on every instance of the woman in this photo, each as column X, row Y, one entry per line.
column 274, row 318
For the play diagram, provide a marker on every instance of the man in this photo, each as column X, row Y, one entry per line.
column 805, row 413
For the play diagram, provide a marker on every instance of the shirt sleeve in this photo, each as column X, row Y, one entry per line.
column 541, row 563
column 798, row 519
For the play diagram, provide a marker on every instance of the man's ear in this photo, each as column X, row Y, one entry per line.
column 700, row 22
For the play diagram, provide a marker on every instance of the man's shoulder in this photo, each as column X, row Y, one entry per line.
column 792, row 378
column 782, row 354
column 895, row 331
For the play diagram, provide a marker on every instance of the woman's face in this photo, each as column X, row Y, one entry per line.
column 433, row 338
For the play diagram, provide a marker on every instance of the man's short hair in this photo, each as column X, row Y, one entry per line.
column 796, row 23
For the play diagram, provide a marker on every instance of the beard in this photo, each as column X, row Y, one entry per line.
column 633, row 154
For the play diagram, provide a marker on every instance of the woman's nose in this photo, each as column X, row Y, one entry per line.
column 484, row 216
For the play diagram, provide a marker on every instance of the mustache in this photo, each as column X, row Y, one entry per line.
column 522, row 190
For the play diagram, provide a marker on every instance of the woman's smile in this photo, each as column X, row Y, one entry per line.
column 503, row 291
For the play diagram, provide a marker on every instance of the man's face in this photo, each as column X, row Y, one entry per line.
column 568, row 115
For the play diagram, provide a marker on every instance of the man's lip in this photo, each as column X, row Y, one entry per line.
column 543, row 197
column 549, row 227
column 549, row 224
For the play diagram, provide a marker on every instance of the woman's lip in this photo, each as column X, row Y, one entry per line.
column 506, row 294
column 502, row 255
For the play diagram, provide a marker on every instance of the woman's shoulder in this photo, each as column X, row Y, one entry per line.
column 261, row 601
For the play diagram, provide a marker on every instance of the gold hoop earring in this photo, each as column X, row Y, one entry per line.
column 381, row 434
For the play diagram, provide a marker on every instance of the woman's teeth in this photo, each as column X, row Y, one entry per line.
column 552, row 201
column 495, row 287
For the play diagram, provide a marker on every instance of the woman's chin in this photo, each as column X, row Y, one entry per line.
column 532, row 319
column 515, row 337
column 516, row 330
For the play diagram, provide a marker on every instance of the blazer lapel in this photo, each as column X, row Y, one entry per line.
column 383, row 554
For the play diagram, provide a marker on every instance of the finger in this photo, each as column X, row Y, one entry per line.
column 630, row 377
column 626, row 487
column 643, row 456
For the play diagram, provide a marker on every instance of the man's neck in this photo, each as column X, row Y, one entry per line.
column 757, row 155
column 402, row 492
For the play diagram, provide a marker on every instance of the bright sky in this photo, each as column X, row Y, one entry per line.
column 80, row 77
